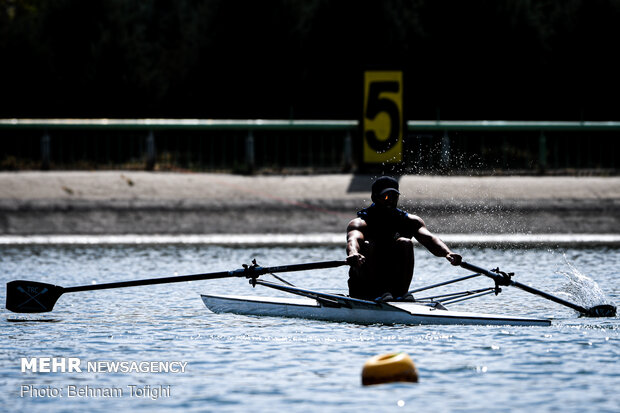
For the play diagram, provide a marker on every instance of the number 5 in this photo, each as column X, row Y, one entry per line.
column 383, row 95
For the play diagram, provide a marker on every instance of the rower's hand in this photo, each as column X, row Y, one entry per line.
column 356, row 260
column 455, row 259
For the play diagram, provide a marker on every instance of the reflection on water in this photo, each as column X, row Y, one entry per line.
column 275, row 364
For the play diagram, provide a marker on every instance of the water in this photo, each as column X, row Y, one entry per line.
column 239, row 363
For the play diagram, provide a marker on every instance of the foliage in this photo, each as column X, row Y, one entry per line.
column 478, row 59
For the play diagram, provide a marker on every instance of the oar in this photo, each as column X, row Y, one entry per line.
column 604, row 310
column 36, row 297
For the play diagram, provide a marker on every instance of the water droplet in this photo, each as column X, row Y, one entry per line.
column 582, row 288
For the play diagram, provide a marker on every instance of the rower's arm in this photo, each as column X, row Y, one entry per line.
column 355, row 239
column 432, row 243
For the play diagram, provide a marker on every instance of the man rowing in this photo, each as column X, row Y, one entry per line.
column 380, row 246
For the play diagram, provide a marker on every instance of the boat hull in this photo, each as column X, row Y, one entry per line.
column 358, row 312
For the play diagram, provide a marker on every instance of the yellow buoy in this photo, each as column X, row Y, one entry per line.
column 387, row 368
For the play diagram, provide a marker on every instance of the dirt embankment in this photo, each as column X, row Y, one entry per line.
column 119, row 202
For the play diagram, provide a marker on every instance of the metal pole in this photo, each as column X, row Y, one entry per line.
column 150, row 151
column 347, row 153
column 45, row 152
column 249, row 151
column 445, row 150
column 542, row 151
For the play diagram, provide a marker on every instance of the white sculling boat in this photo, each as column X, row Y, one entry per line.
column 345, row 309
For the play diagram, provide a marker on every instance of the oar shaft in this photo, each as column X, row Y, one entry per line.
column 151, row 281
column 243, row 272
column 505, row 281
column 301, row 267
column 549, row 297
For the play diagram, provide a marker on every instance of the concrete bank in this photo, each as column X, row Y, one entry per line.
column 129, row 202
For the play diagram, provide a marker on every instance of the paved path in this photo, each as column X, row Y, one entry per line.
column 121, row 202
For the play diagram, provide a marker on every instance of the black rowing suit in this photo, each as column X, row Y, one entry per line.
column 384, row 268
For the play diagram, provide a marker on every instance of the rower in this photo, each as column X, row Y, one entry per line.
column 380, row 246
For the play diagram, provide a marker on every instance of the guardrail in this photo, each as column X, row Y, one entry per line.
column 503, row 125
column 454, row 136
column 158, row 125
column 274, row 124
column 516, row 126
column 187, row 124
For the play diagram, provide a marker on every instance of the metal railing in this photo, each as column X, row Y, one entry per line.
column 226, row 150
column 551, row 136
column 249, row 144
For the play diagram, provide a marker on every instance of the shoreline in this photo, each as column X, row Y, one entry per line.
column 311, row 240
column 150, row 203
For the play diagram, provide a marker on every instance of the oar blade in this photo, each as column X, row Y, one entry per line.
column 604, row 310
column 31, row 296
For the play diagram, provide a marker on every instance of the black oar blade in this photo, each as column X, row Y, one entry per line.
column 604, row 310
column 31, row 297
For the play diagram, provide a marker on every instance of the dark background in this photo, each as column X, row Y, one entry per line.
column 495, row 59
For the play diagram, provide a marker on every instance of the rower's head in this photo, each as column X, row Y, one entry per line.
column 385, row 192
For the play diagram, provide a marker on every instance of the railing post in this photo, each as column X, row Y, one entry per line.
column 347, row 153
column 45, row 152
column 445, row 150
column 542, row 151
column 150, row 151
column 249, row 151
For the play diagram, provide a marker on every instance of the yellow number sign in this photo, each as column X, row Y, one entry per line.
column 382, row 122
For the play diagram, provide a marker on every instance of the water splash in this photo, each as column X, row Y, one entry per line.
column 582, row 288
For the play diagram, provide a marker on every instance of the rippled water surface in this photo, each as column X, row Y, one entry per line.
column 240, row 363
